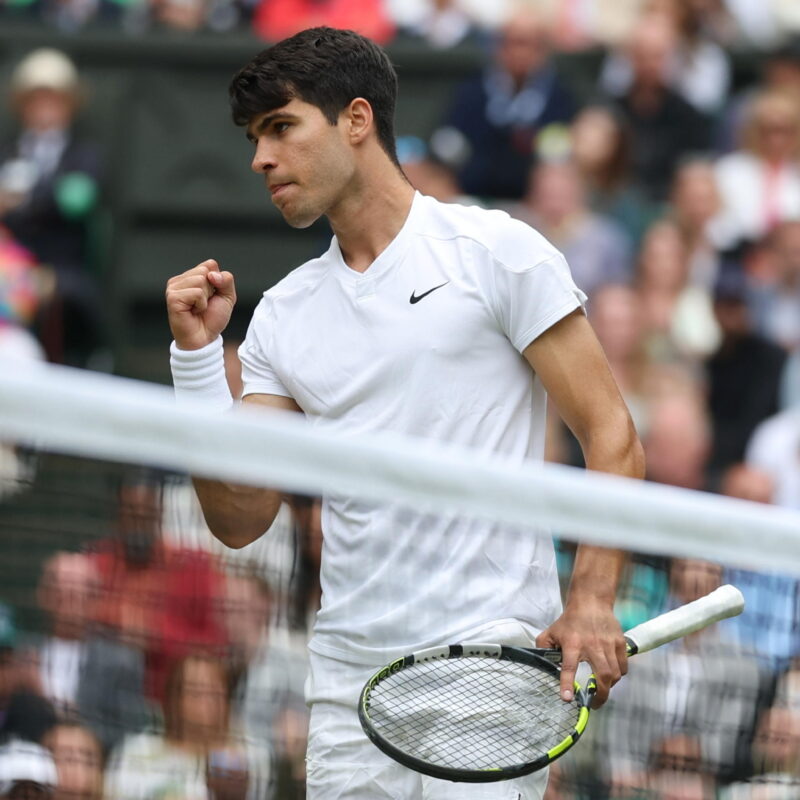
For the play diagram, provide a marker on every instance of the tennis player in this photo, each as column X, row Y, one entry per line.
column 436, row 321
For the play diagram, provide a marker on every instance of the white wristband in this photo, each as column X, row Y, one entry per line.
column 199, row 376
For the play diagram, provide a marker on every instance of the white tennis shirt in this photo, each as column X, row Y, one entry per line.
column 427, row 342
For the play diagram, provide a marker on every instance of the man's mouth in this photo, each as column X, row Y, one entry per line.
column 276, row 188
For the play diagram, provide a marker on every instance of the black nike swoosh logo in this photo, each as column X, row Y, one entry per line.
column 415, row 298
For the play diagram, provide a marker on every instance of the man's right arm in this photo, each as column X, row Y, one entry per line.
column 199, row 306
column 238, row 515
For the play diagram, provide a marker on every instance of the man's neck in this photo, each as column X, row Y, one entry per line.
column 368, row 218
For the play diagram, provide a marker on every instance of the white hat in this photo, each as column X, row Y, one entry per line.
column 45, row 69
column 25, row 761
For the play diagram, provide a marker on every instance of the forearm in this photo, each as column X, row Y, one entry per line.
column 236, row 515
column 597, row 570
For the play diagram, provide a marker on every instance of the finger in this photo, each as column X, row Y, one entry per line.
column 606, row 673
column 622, row 656
column 569, row 666
column 223, row 284
column 193, row 299
column 193, row 281
column 201, row 271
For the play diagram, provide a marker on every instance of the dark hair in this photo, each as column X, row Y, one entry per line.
column 325, row 67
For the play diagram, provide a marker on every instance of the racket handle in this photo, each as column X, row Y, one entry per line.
column 726, row 601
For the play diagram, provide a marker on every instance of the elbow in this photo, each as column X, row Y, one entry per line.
column 615, row 448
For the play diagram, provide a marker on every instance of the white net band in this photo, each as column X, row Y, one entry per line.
column 128, row 421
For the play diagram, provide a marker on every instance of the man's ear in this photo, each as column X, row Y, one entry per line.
column 359, row 118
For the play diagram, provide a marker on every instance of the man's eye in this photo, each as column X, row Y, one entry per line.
column 281, row 127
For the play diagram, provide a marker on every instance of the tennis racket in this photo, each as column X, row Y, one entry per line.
column 477, row 712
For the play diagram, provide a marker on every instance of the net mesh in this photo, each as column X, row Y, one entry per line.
column 123, row 619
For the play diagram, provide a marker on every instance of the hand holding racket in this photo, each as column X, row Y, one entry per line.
column 478, row 712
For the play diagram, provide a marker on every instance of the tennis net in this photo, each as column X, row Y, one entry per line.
column 118, row 602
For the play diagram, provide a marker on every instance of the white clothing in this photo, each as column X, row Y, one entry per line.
column 148, row 767
column 343, row 763
column 774, row 448
column 426, row 343
column 751, row 195
column 61, row 663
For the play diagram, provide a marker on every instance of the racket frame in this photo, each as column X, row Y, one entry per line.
column 725, row 601
column 545, row 660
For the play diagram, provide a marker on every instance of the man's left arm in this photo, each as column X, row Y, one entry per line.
column 573, row 368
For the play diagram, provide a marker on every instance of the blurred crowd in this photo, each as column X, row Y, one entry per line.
column 441, row 23
column 164, row 667
column 674, row 192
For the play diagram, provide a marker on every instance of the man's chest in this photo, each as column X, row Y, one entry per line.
column 371, row 341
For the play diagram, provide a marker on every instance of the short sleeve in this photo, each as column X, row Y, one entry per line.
column 529, row 300
column 258, row 373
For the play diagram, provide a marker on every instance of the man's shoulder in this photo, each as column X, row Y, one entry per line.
column 494, row 233
column 301, row 278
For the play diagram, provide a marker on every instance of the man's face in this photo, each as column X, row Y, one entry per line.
column 523, row 47
column 306, row 162
column 46, row 110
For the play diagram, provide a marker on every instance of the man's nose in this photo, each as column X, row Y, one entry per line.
column 263, row 159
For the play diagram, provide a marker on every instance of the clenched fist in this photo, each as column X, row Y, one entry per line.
column 199, row 304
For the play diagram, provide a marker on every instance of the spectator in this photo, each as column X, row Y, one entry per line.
column 49, row 183
column 616, row 317
column 269, row 695
column 698, row 70
column 601, row 150
column 497, row 115
column 439, row 23
column 696, row 206
column 428, row 174
column 776, row 302
column 678, row 318
column 678, row 440
column 156, row 597
column 78, row 757
column 596, row 249
column 760, row 182
column 196, row 734
column 20, row 293
column 743, row 373
column 708, row 692
column 27, row 771
column 775, row 752
column 11, row 673
column 277, row 19
column 769, row 628
column 85, row 675
column 780, row 72
column 665, row 127
column 19, row 298
column 775, row 449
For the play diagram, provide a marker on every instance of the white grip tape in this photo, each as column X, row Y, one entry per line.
column 727, row 601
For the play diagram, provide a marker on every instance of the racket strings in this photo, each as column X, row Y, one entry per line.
column 472, row 713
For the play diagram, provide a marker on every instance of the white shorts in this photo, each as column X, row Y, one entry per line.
column 342, row 764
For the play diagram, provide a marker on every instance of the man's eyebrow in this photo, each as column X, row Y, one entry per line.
column 265, row 122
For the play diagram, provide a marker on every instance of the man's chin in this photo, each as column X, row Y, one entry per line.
column 299, row 220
